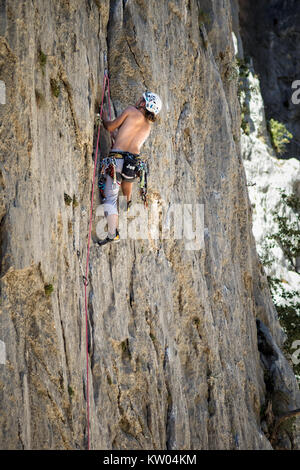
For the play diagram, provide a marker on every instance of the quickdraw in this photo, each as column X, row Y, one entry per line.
column 143, row 171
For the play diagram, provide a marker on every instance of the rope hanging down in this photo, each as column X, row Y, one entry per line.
column 105, row 83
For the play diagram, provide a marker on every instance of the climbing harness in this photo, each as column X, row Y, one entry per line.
column 129, row 170
column 133, row 168
column 85, row 277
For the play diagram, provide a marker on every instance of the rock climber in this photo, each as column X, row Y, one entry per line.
column 130, row 130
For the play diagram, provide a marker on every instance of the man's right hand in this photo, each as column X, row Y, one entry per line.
column 115, row 123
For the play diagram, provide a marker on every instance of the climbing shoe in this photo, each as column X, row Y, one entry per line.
column 110, row 240
column 128, row 205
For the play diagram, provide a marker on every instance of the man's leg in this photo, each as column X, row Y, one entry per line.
column 112, row 222
column 127, row 189
column 110, row 205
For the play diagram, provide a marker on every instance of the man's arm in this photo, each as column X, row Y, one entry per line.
column 113, row 125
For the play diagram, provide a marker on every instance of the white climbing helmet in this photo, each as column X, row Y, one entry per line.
column 153, row 102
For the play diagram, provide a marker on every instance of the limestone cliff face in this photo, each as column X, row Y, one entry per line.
column 175, row 357
column 270, row 32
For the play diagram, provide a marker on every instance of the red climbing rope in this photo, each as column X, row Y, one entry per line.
column 108, row 95
column 105, row 81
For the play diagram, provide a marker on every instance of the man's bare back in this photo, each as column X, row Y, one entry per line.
column 133, row 127
column 133, row 130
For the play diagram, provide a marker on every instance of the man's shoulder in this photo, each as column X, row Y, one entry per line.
column 131, row 109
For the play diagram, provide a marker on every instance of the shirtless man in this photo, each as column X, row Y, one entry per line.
column 133, row 127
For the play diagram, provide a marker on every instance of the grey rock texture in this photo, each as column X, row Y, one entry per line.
column 266, row 175
column 270, row 33
column 174, row 357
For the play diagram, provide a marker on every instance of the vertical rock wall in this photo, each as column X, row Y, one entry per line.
column 270, row 33
column 174, row 358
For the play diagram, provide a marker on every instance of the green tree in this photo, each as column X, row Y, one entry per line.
column 280, row 136
column 288, row 232
column 286, row 301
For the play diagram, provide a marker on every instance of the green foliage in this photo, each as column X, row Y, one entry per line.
column 125, row 348
column 243, row 67
column 42, row 60
column 243, row 91
column 238, row 69
column 245, row 126
column 75, row 202
column 70, row 391
column 287, row 235
column 68, row 199
column 232, row 72
column 109, row 381
column 289, row 426
column 152, row 337
column 280, row 136
column 266, row 258
column 55, row 87
column 288, row 309
column 48, row 289
column 286, row 301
